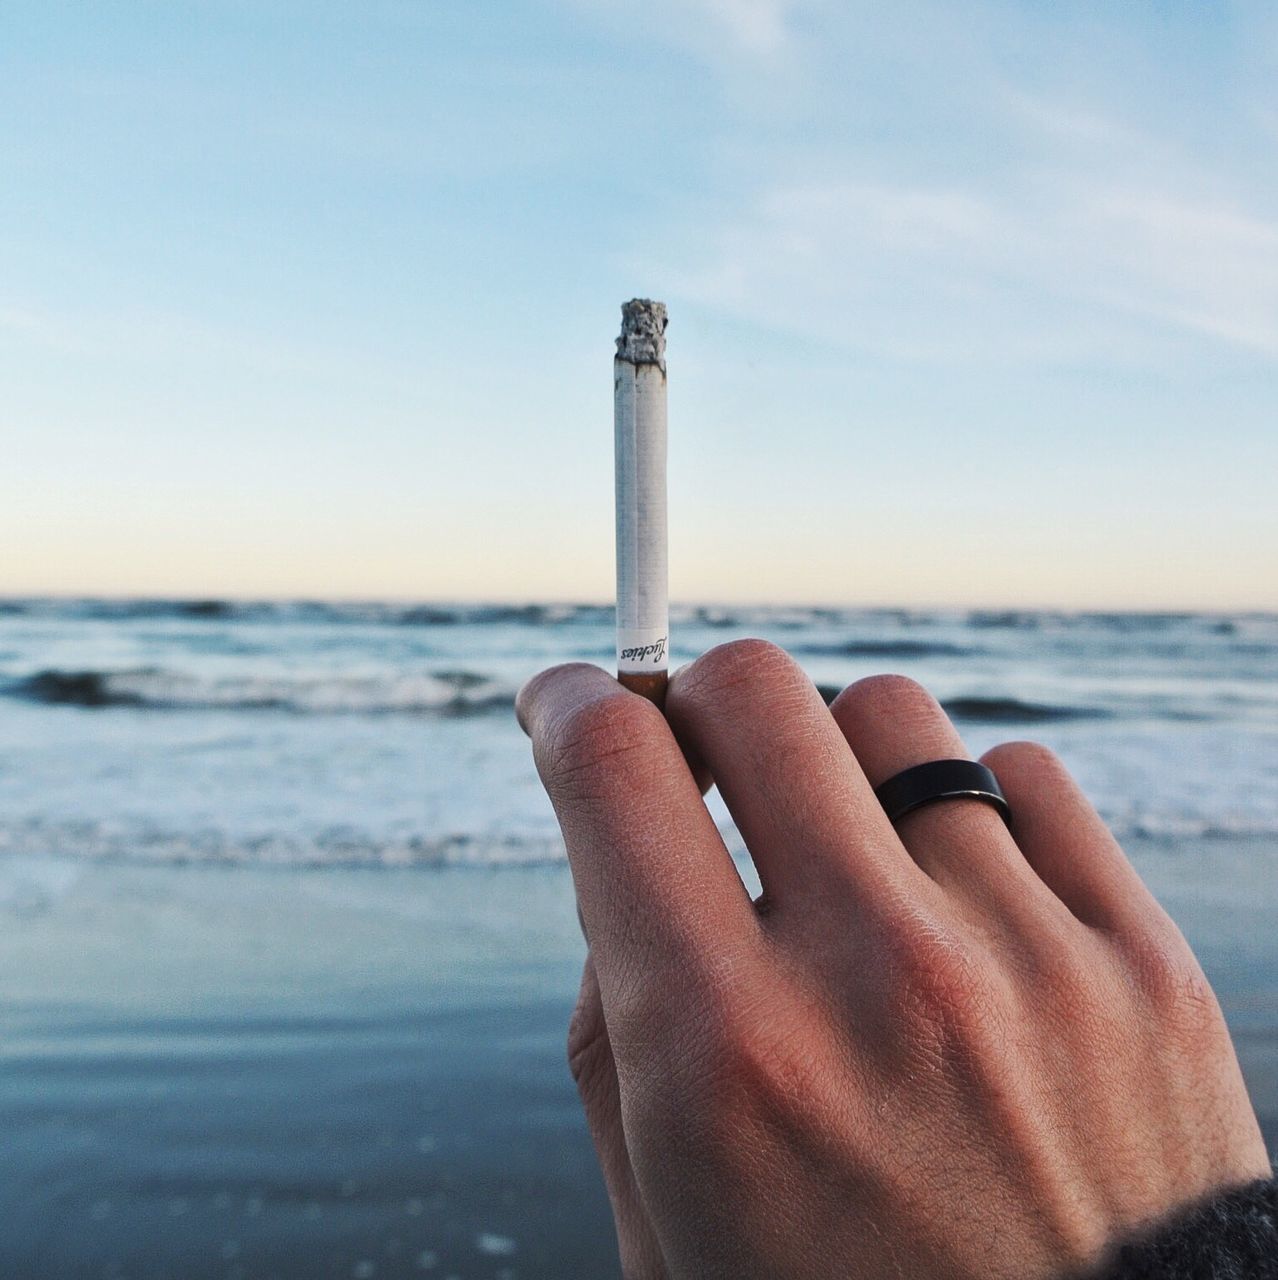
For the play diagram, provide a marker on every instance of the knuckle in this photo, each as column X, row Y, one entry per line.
column 764, row 1065
column 598, row 739
column 647, row 1019
column 668, row 1036
column 687, row 1036
column 720, row 670
column 780, row 1068
column 1067, row 980
column 673, row 1073
column 1174, row 985
column 950, row 997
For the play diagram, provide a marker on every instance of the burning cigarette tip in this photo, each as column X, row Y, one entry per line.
column 643, row 332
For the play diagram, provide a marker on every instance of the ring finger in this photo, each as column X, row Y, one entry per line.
column 891, row 724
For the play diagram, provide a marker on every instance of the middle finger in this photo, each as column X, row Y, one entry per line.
column 805, row 810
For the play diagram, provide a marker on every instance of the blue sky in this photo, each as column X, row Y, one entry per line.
column 971, row 302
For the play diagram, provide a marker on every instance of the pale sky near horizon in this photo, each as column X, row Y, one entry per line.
column 971, row 303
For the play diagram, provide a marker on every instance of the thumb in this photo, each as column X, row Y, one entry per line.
column 593, row 1068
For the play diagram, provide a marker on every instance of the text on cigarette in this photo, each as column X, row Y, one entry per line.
column 656, row 651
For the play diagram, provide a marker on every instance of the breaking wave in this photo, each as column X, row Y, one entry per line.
column 1011, row 711
column 1004, row 710
column 119, row 840
column 326, row 612
column 885, row 648
column 444, row 693
column 116, row 841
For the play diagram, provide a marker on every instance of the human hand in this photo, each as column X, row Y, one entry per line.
column 944, row 1049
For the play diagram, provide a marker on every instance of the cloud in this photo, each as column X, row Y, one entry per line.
column 1201, row 265
column 1068, row 272
column 756, row 26
column 721, row 31
column 986, row 182
column 1073, row 236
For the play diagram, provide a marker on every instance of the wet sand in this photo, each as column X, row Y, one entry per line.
column 240, row 1073
column 250, row 1074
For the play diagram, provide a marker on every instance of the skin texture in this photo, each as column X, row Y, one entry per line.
column 941, row 1050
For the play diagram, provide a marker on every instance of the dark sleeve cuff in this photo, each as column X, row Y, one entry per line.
column 1233, row 1236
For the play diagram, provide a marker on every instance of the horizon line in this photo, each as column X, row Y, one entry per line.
column 876, row 605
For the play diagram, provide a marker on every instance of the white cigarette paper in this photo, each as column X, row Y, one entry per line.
column 639, row 384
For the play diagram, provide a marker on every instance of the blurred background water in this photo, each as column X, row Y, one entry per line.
column 382, row 734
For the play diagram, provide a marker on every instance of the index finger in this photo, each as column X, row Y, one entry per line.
column 658, row 892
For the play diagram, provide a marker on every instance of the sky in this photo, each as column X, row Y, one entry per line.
column 971, row 303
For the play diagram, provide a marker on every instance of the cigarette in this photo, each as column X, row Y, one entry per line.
column 639, row 405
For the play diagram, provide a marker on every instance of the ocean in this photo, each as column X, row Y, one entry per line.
column 382, row 735
column 288, row 941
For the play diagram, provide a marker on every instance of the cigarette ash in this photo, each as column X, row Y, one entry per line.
column 643, row 332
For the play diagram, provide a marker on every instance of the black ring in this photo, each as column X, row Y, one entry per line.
column 941, row 780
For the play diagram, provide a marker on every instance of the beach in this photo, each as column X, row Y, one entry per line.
column 287, row 939
column 230, row 1072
